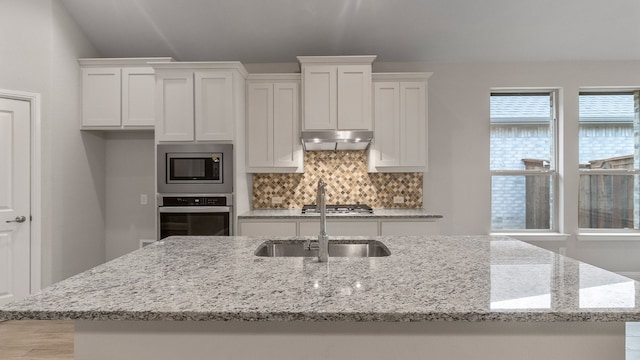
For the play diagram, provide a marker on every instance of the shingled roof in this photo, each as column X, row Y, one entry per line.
column 536, row 109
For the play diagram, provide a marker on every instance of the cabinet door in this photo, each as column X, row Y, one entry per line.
column 267, row 228
column 413, row 124
column 138, row 96
column 354, row 97
column 101, row 96
column 287, row 149
column 260, row 124
column 320, row 100
column 386, row 145
column 408, row 227
column 214, row 105
column 174, row 96
column 340, row 227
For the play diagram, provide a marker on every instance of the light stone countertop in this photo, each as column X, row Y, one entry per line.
column 438, row 278
column 377, row 213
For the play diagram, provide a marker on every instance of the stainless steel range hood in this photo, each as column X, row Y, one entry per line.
column 318, row 140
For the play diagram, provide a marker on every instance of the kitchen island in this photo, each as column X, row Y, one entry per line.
column 436, row 297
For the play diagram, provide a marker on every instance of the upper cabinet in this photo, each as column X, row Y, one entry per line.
column 400, row 122
column 118, row 93
column 199, row 101
column 273, row 123
column 336, row 92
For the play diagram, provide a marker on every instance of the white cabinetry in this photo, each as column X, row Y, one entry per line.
column 338, row 227
column 310, row 226
column 403, row 227
column 273, row 123
column 199, row 101
column 174, row 114
column 118, row 93
column 267, row 228
column 336, row 92
column 400, row 123
column 214, row 105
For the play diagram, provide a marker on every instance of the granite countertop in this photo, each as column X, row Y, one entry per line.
column 377, row 213
column 439, row 278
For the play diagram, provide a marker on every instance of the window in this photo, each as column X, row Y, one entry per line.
column 609, row 152
column 523, row 160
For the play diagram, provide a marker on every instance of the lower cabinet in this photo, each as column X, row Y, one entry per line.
column 408, row 227
column 267, row 228
column 338, row 227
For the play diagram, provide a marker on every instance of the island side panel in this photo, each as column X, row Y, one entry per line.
column 159, row 340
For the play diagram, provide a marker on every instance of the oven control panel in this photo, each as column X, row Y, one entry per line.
column 194, row 201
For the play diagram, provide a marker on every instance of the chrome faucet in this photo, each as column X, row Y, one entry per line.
column 323, row 239
column 322, row 245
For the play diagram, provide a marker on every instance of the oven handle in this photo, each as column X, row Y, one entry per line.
column 194, row 209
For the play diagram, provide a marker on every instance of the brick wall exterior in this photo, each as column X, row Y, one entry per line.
column 618, row 141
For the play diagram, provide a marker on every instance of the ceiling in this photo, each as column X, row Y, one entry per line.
column 260, row 31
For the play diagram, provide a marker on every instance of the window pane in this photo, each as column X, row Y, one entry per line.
column 607, row 131
column 521, row 128
column 521, row 202
column 609, row 201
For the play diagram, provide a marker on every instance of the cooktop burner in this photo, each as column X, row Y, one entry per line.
column 339, row 209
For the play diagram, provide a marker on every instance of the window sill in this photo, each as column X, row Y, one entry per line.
column 613, row 236
column 534, row 236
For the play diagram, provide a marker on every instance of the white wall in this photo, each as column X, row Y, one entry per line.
column 40, row 45
column 130, row 172
column 76, row 158
column 26, row 46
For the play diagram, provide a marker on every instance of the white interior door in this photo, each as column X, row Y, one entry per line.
column 15, row 232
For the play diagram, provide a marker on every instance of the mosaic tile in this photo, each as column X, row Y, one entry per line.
column 348, row 182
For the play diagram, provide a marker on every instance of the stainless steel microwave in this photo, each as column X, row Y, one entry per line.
column 195, row 168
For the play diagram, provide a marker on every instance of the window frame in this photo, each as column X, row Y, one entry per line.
column 553, row 168
column 594, row 232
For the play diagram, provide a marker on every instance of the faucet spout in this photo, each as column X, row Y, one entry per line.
column 322, row 244
column 323, row 239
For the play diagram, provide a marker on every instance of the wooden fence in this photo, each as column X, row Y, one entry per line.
column 607, row 201
column 538, row 208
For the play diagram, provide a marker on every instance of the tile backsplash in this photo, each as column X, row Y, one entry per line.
column 348, row 182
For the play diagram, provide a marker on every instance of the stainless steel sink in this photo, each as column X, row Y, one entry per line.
column 340, row 248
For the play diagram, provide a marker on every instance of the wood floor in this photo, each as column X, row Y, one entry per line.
column 36, row 340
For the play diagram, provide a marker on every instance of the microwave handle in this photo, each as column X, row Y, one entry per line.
column 194, row 209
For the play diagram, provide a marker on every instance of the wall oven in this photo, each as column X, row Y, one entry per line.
column 195, row 214
column 195, row 168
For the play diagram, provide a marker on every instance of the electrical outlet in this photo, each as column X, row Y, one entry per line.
column 398, row 199
column 143, row 199
column 276, row 200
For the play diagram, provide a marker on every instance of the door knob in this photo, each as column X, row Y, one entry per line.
column 18, row 219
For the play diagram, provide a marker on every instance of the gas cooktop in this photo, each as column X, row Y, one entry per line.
column 339, row 209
